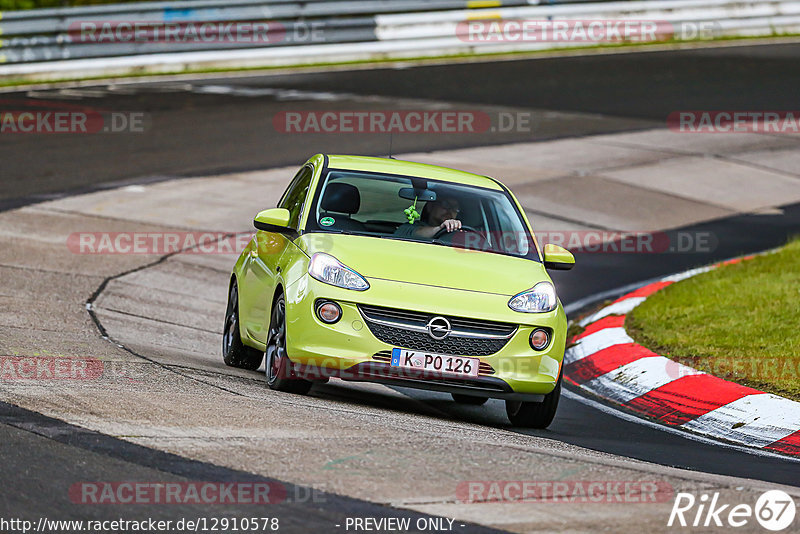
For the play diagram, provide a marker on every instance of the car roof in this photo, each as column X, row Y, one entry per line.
column 410, row 168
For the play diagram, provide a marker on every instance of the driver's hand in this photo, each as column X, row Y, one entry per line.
column 451, row 225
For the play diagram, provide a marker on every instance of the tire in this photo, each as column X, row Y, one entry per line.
column 234, row 352
column 469, row 399
column 535, row 414
column 278, row 366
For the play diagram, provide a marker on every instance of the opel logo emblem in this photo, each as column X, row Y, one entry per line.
column 438, row 328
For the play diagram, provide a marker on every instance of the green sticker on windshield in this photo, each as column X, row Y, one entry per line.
column 327, row 221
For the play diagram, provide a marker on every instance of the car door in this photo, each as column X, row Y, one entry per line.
column 261, row 272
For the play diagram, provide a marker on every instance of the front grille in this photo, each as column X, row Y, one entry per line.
column 469, row 327
column 485, row 369
column 385, row 356
column 408, row 329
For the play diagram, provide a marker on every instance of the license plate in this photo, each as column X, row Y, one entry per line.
column 440, row 363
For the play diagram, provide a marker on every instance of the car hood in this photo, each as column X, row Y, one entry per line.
column 428, row 264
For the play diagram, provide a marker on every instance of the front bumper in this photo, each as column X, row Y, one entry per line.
column 348, row 349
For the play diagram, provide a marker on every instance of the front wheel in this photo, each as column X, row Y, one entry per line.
column 278, row 367
column 234, row 352
column 535, row 414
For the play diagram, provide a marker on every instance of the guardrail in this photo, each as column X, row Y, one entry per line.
column 53, row 34
column 171, row 36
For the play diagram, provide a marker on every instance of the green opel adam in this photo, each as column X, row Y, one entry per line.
column 405, row 274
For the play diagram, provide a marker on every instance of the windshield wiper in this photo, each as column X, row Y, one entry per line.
column 398, row 238
column 411, row 240
column 338, row 231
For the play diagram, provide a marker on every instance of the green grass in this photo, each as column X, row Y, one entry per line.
column 740, row 322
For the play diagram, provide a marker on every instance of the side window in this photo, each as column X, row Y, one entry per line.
column 513, row 235
column 295, row 195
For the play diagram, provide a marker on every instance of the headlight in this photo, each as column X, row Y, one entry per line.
column 328, row 269
column 540, row 298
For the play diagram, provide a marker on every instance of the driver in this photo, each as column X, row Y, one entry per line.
column 436, row 216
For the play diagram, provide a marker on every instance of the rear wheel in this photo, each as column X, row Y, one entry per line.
column 535, row 414
column 234, row 352
column 278, row 367
column 469, row 399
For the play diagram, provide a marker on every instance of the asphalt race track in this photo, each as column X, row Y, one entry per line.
column 202, row 128
column 216, row 124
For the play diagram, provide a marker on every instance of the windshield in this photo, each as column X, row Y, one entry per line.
column 417, row 209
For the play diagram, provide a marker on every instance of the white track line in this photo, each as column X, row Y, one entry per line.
column 767, row 418
column 597, row 341
column 637, row 378
column 672, row 430
column 618, row 308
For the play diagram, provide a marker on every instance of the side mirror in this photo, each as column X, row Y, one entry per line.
column 272, row 220
column 558, row 258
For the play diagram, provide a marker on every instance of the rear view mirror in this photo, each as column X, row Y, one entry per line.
column 272, row 220
column 425, row 195
column 558, row 258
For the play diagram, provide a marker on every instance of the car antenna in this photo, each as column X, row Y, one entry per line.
column 390, row 145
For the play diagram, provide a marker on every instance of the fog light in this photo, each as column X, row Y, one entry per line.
column 328, row 312
column 540, row 338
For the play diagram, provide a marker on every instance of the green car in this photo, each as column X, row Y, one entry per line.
column 401, row 273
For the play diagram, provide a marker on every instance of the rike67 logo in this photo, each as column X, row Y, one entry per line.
column 774, row 510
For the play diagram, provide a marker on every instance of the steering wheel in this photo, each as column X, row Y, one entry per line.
column 464, row 228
